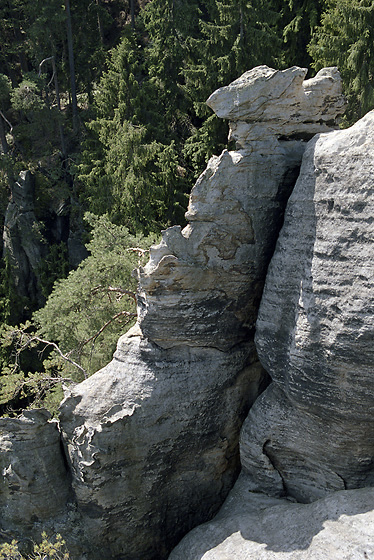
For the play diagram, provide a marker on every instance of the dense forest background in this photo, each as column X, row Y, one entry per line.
column 103, row 131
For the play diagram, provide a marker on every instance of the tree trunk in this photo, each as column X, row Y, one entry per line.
column 3, row 142
column 99, row 24
column 132, row 9
column 74, row 103
column 57, row 90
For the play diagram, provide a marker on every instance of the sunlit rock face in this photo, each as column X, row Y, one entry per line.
column 312, row 431
column 253, row 526
column 309, row 437
column 152, row 439
column 203, row 284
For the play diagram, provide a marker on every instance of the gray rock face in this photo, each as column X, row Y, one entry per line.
column 22, row 240
column 152, row 439
column 282, row 101
column 253, row 526
column 153, row 442
column 34, row 485
column 312, row 431
column 211, row 273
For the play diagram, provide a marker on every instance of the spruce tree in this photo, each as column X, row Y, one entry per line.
column 234, row 36
column 298, row 20
column 346, row 39
column 131, row 165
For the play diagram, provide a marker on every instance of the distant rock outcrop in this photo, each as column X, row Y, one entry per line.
column 22, row 240
column 26, row 240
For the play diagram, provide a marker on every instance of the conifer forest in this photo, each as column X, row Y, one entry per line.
column 103, row 132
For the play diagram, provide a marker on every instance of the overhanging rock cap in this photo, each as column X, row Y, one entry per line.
column 265, row 94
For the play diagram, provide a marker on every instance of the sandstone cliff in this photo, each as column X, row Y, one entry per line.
column 151, row 442
column 311, row 432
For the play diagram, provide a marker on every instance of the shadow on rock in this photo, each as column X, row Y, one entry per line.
column 254, row 526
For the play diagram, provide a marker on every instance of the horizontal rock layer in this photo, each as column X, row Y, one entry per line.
column 152, row 441
column 313, row 430
column 283, row 98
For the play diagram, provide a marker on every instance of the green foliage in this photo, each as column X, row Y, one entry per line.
column 131, row 166
column 76, row 332
column 91, row 296
column 232, row 38
column 298, row 20
column 26, row 97
column 46, row 550
column 35, row 123
column 20, row 383
column 53, row 267
column 346, row 39
column 5, row 89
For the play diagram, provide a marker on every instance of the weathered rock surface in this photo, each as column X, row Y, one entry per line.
column 253, row 526
column 153, row 442
column 27, row 236
column 152, row 439
column 280, row 102
column 312, row 431
column 34, row 484
column 22, row 240
column 211, row 273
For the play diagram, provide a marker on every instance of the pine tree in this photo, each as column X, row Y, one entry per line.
column 130, row 166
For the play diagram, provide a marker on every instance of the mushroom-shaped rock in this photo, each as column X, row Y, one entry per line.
column 282, row 97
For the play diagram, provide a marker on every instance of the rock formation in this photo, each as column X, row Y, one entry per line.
column 25, row 241
column 254, row 526
column 211, row 273
column 34, row 484
column 22, row 239
column 152, row 440
column 153, row 437
column 311, row 432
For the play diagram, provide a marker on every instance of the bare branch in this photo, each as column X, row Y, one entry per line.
column 65, row 357
column 120, row 291
column 42, row 62
column 141, row 253
column 6, row 120
column 94, row 337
